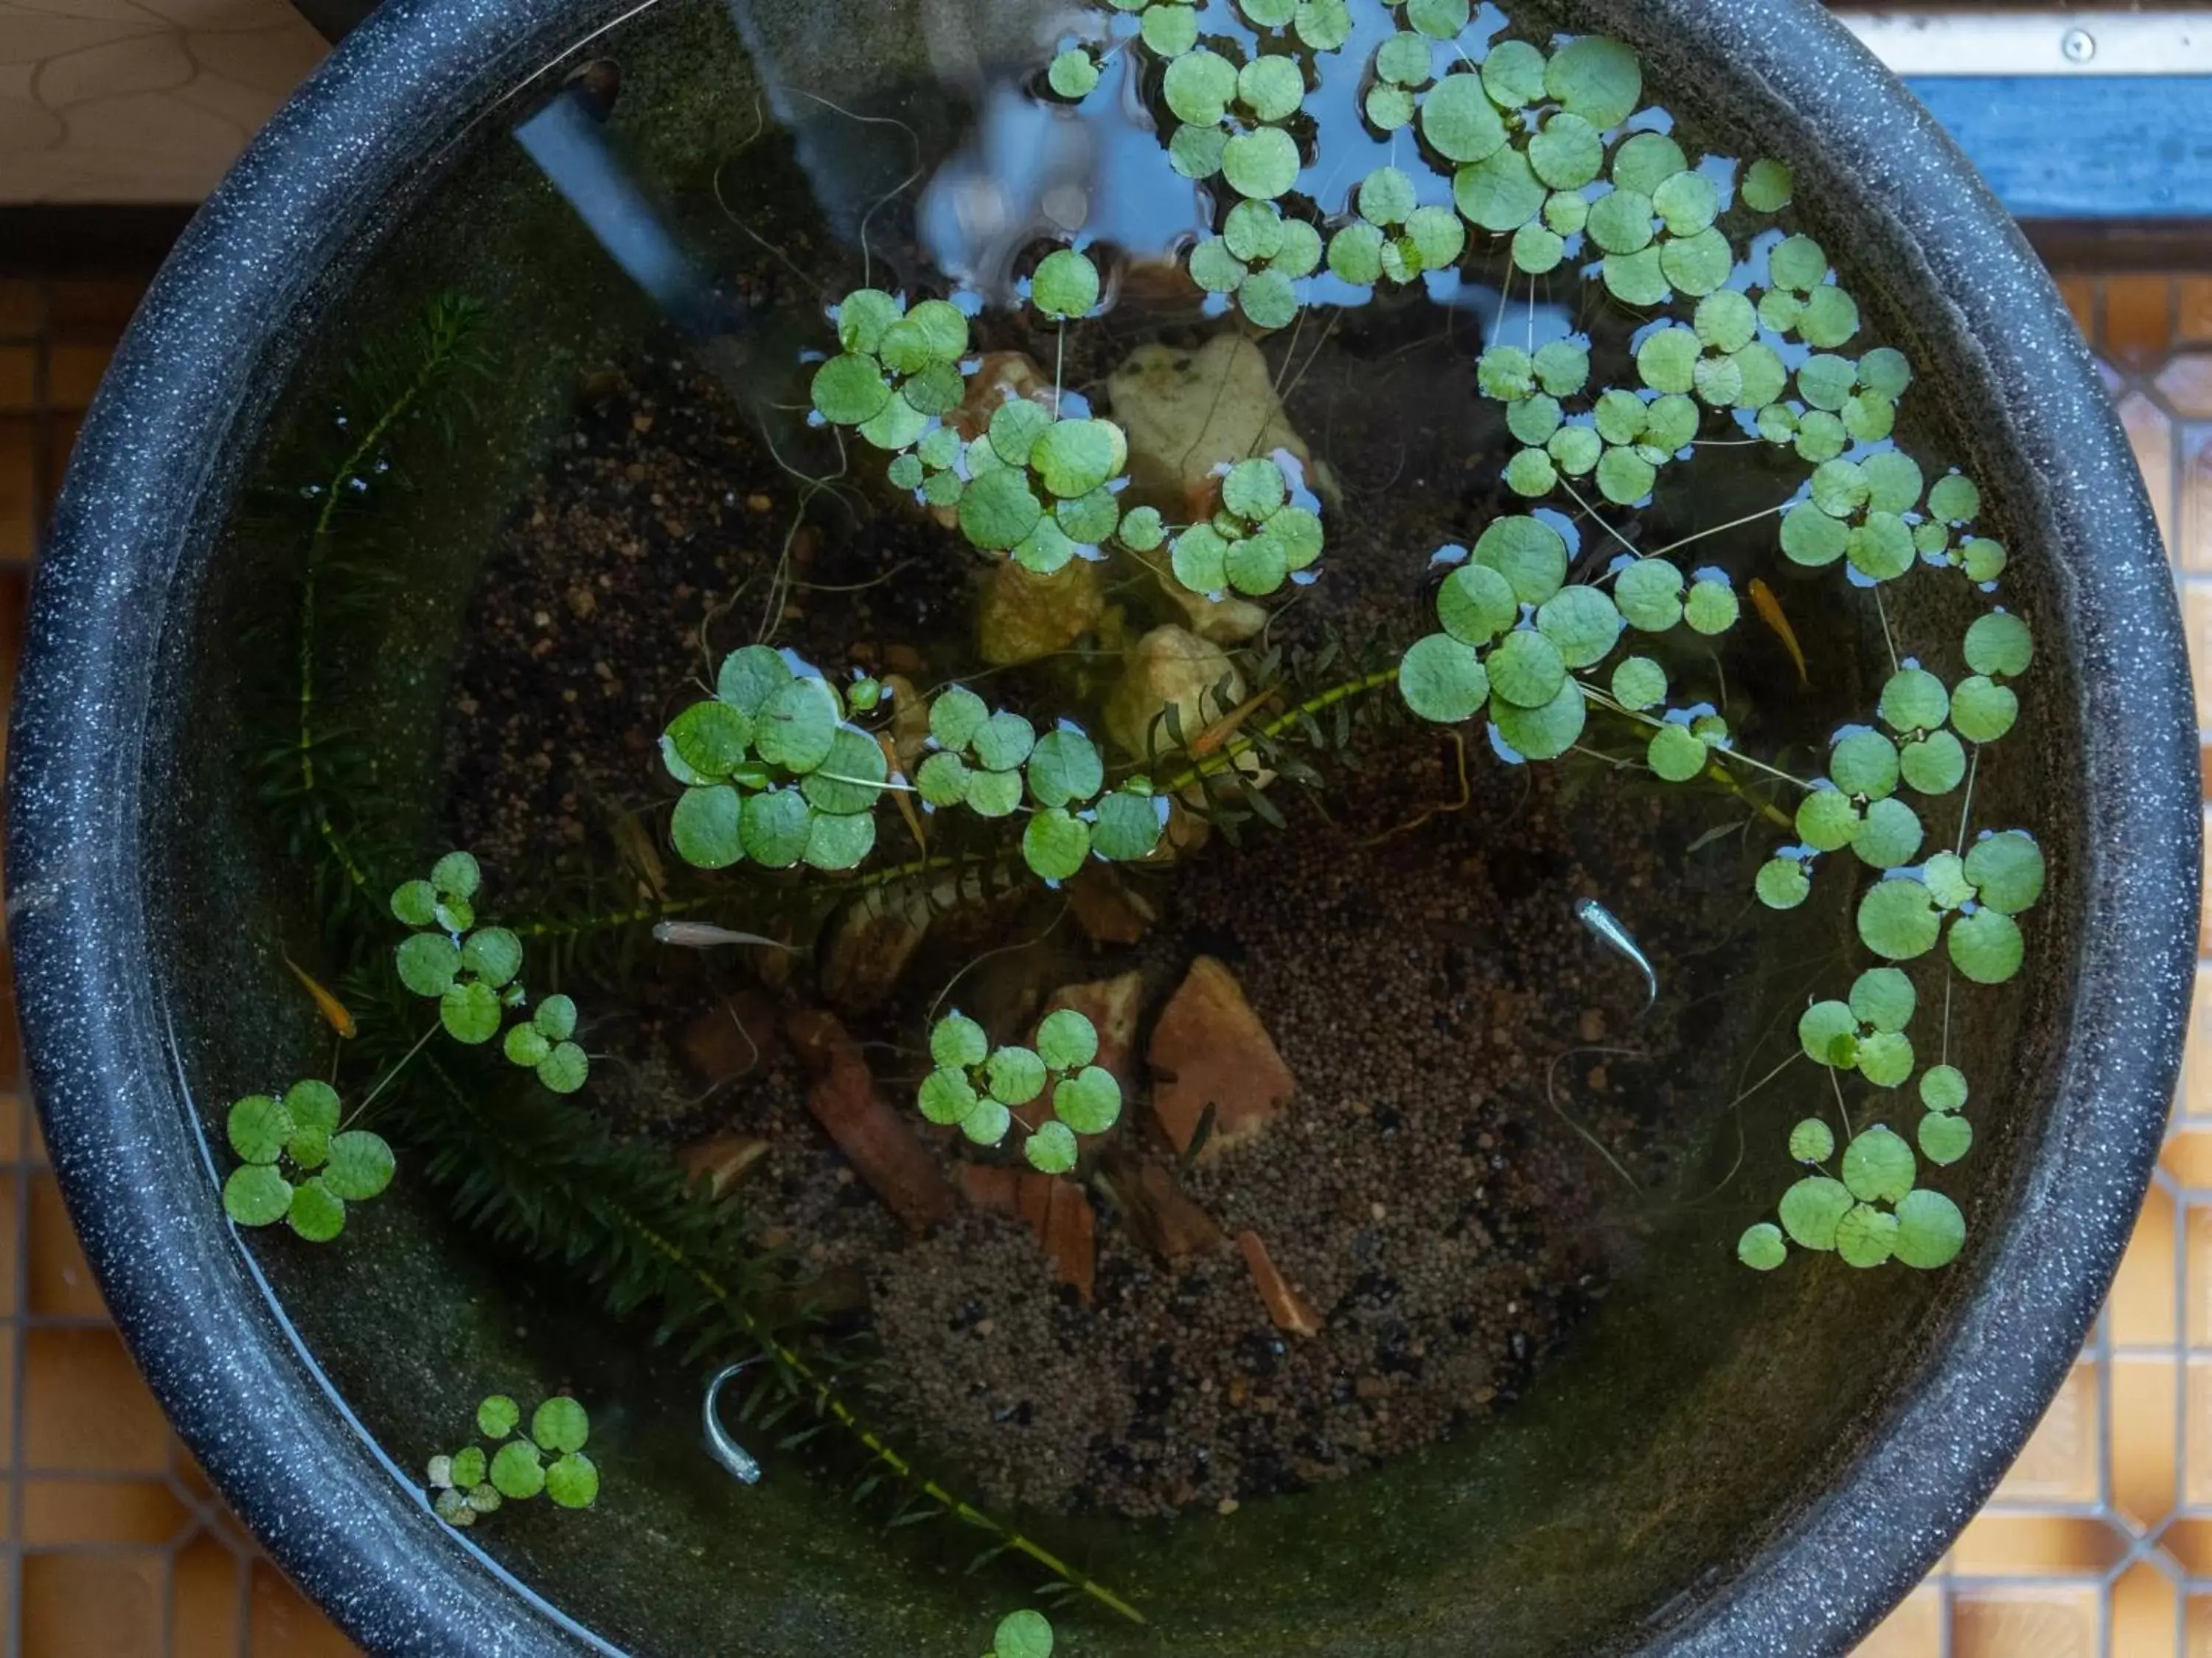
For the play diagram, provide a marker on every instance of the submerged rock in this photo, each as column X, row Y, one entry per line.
column 1166, row 1219
column 1024, row 616
column 1170, row 666
column 871, row 943
column 722, row 1161
column 1210, row 1049
column 1107, row 909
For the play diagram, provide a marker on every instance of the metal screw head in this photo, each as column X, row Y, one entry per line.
column 2079, row 45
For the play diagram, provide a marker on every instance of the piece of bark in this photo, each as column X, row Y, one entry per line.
column 1165, row 1218
column 871, row 941
column 1290, row 1310
column 722, row 1161
column 1112, row 1006
column 876, row 1139
column 1210, row 1048
column 1057, row 1213
column 734, row 1039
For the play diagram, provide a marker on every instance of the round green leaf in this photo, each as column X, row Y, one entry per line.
column 1829, row 1034
column 839, row 840
column 256, row 1195
column 1625, row 476
column 1568, row 152
column 956, row 1039
column 1798, row 265
column 1004, row 741
column 516, row 1472
column 1513, row 74
column 1687, row 202
column 259, row 1126
column 1022, row 1633
column 1066, row 1040
column 1500, row 193
column 1066, row 284
column 1582, row 622
column 525, row 1044
column 946, row 1096
column 1986, row 947
column 1597, row 78
column 1982, row 711
column 1065, row 766
column 1261, row 164
column 1826, row 821
column 1014, row 1075
column 2007, row 871
column 1710, row 608
column 1866, row 1236
column 994, row 793
column 1811, row 1208
column 1878, row 1166
column 1089, row 1101
column 497, row 1416
column 560, row 1424
column 1620, row 221
column 956, row 716
column 1526, row 669
column 360, row 1164
column 851, row 776
column 572, row 1482
column 1782, row 883
column 1766, row 186
column 1884, row 998
column 1812, row 1142
column 1865, row 762
column 1697, row 264
column 416, row 903
column 775, row 828
column 1944, row 1088
column 1830, row 317
column 1128, row 825
column 1999, row 646
column 1761, row 1249
column 1645, row 161
column 1677, row 755
column 317, row 1214
column 1441, row 680
column 1073, row 73
column 1954, row 500
column 1546, row 733
column 493, row 954
column 997, row 510
column 705, row 827
column 850, row 389
column 798, row 725
column 1054, row 845
column 1945, row 1138
column 1355, row 254
column 1930, row 1230
column 428, row 963
column 1051, row 1149
column 1200, row 86
column 1459, row 120
column 1898, row 920
column 1914, row 700
column 1934, row 765
column 1888, row 835
column 1885, row 1058
column 1638, row 683
column 1639, row 279
column 1881, row 547
column 750, row 676
column 1528, row 553
column 470, row 1012
column 711, row 739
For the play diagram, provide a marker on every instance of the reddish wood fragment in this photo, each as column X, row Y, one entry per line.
column 875, row 1138
column 1107, row 909
column 1290, row 1310
column 1210, row 1048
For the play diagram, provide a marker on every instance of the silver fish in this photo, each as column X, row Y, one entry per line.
column 1601, row 922
column 726, row 1451
column 705, row 935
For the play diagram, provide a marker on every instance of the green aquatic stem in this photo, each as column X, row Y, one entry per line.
column 1224, row 759
column 448, row 331
column 606, row 921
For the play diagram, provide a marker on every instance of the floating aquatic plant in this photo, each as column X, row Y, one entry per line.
column 1054, row 1092
column 298, row 1164
column 1021, row 1634
column 472, row 1481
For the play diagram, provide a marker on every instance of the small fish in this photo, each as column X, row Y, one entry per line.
column 740, row 1462
column 1600, row 920
column 705, row 935
column 333, row 1011
column 1770, row 611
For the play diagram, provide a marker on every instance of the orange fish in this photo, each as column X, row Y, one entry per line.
column 332, row 1010
column 1770, row 611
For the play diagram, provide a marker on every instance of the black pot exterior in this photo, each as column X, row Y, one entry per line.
column 150, row 483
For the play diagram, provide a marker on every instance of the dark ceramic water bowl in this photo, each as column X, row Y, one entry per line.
column 1722, row 1465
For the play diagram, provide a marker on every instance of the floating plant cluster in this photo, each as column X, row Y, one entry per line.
column 979, row 1089
column 472, row 1481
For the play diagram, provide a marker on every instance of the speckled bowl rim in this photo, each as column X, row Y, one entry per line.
column 350, row 1527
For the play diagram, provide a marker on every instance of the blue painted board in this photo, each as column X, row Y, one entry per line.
column 2084, row 147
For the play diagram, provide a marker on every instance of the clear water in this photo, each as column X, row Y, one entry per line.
column 545, row 561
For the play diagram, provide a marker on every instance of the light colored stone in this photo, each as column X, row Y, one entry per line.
column 1209, row 1048
column 1189, row 414
column 1171, row 666
column 1024, row 616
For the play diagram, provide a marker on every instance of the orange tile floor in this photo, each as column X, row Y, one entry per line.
column 2099, row 1544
